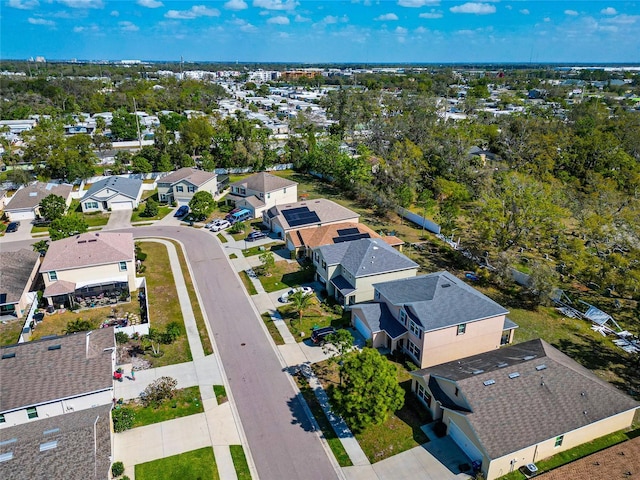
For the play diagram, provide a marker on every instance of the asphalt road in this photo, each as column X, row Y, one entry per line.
column 279, row 434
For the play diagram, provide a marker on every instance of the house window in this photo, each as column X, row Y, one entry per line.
column 413, row 350
column 91, row 204
column 163, row 197
column 123, row 266
column 32, row 412
column 191, row 189
column 53, row 276
column 424, row 395
column 461, row 329
column 2, row 419
column 268, row 195
column 179, row 188
column 415, row 329
column 559, row 440
column 403, row 317
column 324, row 265
column 284, row 190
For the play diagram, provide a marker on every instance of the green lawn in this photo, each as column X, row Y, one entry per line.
column 95, row 219
column 220, row 393
column 163, row 304
column 185, row 402
column 240, row 462
column 286, row 274
column 273, row 330
column 137, row 215
column 247, row 282
column 222, row 238
column 195, row 465
column 10, row 331
column 249, row 252
column 317, row 315
column 35, row 230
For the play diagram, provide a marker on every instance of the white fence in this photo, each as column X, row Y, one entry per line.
column 418, row 220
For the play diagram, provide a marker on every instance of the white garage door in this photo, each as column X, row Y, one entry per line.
column 122, row 206
column 466, row 445
column 361, row 327
column 17, row 216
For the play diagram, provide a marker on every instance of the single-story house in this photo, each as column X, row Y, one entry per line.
column 18, row 272
column 23, row 205
column 89, row 265
column 520, row 404
column 261, row 191
column 302, row 241
column 180, row 186
column 283, row 218
column 112, row 193
column 348, row 270
column 56, row 396
column 433, row 318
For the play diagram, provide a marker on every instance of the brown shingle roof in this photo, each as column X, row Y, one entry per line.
column 61, row 287
column 38, row 374
column 31, row 195
column 264, row 182
column 15, row 270
column 88, row 249
column 191, row 175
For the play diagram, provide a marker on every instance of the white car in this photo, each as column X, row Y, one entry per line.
column 285, row 296
column 220, row 225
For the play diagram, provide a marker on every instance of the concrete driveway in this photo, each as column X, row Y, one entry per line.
column 23, row 233
column 119, row 219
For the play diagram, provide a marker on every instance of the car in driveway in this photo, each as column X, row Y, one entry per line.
column 257, row 235
column 182, row 211
column 220, row 225
column 12, row 227
column 284, row 298
column 319, row 335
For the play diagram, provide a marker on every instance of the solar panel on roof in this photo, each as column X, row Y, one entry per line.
column 350, row 238
column 300, row 216
column 348, row 231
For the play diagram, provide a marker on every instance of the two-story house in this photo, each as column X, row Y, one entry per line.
column 93, row 264
column 55, row 401
column 434, row 318
column 261, row 191
column 180, row 186
column 112, row 193
column 348, row 270
column 520, row 404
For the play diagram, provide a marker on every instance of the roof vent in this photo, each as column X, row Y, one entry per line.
column 446, row 285
column 92, row 240
column 541, row 367
column 33, row 194
column 8, row 355
column 82, row 241
column 584, row 412
column 7, row 442
column 5, row 457
column 486, row 383
column 503, row 364
column 53, row 430
column 514, row 375
column 477, row 372
column 529, row 357
column 54, row 347
column 48, row 446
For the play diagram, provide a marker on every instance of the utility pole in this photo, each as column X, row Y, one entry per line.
column 135, row 112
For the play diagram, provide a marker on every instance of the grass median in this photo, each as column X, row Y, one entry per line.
column 196, row 464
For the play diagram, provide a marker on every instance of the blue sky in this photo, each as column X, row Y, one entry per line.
column 323, row 31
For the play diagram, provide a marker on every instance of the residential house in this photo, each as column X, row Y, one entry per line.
column 55, row 400
column 283, row 218
column 3, row 198
column 262, row 191
column 304, row 240
column 18, row 272
column 112, row 193
column 180, row 186
column 23, row 205
column 517, row 405
column 434, row 318
column 88, row 266
column 348, row 270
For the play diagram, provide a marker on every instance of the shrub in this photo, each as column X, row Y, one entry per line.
column 151, row 208
column 122, row 419
column 117, row 469
column 121, row 338
column 174, row 330
column 237, row 227
column 161, row 389
column 77, row 325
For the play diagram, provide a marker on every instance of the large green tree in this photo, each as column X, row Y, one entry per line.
column 202, row 204
column 124, row 126
column 67, row 226
column 369, row 389
column 52, row 207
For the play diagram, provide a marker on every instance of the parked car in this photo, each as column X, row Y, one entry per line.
column 285, row 296
column 13, row 227
column 230, row 214
column 182, row 211
column 255, row 236
column 220, row 225
column 319, row 335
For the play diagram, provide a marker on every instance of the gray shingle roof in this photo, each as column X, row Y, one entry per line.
column 36, row 375
column 192, row 175
column 81, row 452
column 440, row 300
column 551, row 396
column 88, row 249
column 128, row 187
column 31, row 195
column 264, row 182
column 327, row 211
column 15, row 270
column 378, row 317
column 368, row 256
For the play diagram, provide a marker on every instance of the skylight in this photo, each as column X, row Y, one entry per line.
column 514, row 375
column 486, row 383
column 48, row 446
column 541, row 367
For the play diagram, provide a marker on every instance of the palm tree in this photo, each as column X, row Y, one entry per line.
column 300, row 302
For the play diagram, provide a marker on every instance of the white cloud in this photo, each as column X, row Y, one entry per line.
column 387, row 17
column 150, row 3
column 609, row 11
column 421, row 30
column 301, row 19
column 40, row 21
column 276, row 4
column 24, row 4
column 248, row 28
column 571, row 13
column 194, row 12
column 115, row 13
column 127, row 26
column 236, row 5
column 547, row 19
column 431, row 15
column 89, row 29
column 82, row 3
column 280, row 20
column 525, row 11
column 330, row 19
column 508, row 7
column 623, row 19
column 401, row 30
column 417, row 3
column 474, row 8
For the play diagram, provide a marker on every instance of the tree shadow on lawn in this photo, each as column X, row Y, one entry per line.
column 413, row 413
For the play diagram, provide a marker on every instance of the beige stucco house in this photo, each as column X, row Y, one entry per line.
column 112, row 193
column 25, row 203
column 18, row 272
column 180, row 186
column 261, row 191
column 348, row 270
column 89, row 265
column 433, row 318
column 520, row 404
